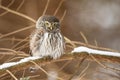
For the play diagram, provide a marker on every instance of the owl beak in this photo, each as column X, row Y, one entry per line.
column 51, row 27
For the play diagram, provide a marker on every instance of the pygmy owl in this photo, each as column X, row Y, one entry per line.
column 47, row 39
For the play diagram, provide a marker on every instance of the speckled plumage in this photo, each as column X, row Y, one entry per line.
column 47, row 40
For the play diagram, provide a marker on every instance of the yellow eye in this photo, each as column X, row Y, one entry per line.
column 55, row 24
column 47, row 24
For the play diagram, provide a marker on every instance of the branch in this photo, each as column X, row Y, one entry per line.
column 26, row 62
column 17, row 13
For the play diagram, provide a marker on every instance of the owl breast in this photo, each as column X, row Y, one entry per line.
column 50, row 44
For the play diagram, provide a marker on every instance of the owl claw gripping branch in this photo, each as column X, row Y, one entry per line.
column 47, row 39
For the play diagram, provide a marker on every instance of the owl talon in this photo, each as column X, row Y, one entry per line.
column 47, row 57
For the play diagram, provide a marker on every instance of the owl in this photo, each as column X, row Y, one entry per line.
column 46, row 39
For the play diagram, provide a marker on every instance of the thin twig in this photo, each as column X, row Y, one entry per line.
column 83, row 71
column 11, row 74
column 64, row 14
column 18, row 13
column 22, row 47
column 16, row 31
column 103, row 65
column 58, row 7
column 64, row 65
column 69, row 41
column 9, row 58
column 96, row 44
column 11, row 53
column 84, row 37
column 14, row 59
column 82, row 76
column 46, row 7
column 94, row 47
column 20, row 5
column 20, row 42
column 6, row 49
column 12, row 1
column 45, row 71
column 34, row 76
column 78, row 68
column 10, row 50
column 23, row 73
column 15, row 39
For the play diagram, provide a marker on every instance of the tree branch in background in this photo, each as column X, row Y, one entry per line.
column 18, row 13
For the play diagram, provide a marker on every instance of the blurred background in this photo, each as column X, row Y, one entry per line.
column 98, row 20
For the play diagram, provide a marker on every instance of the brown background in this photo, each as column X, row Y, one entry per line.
column 98, row 19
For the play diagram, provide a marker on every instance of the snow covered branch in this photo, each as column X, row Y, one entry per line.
column 79, row 52
column 92, row 51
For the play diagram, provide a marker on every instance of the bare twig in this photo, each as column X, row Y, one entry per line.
column 64, row 65
column 45, row 71
column 19, row 14
column 22, row 47
column 104, row 66
column 58, row 7
column 15, row 39
column 81, row 78
column 12, row 1
column 78, row 68
column 20, row 5
column 63, row 16
column 46, row 7
column 94, row 47
column 84, row 37
column 14, row 59
column 20, row 42
column 11, row 74
column 83, row 71
column 23, row 73
column 16, row 31
column 6, row 49
column 96, row 44
column 69, row 41
column 13, row 51
column 34, row 76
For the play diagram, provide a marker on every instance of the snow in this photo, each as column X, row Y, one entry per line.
column 93, row 51
column 6, row 65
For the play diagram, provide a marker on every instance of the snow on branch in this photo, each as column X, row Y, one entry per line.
column 79, row 52
column 93, row 51
column 6, row 65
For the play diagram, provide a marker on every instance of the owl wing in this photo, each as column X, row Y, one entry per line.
column 35, row 39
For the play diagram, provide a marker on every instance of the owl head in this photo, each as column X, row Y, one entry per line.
column 48, row 23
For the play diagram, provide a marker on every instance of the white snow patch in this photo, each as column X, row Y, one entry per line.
column 6, row 65
column 93, row 51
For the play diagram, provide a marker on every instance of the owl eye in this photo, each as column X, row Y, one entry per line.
column 56, row 24
column 47, row 24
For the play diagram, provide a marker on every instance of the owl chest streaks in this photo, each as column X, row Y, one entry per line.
column 48, row 44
